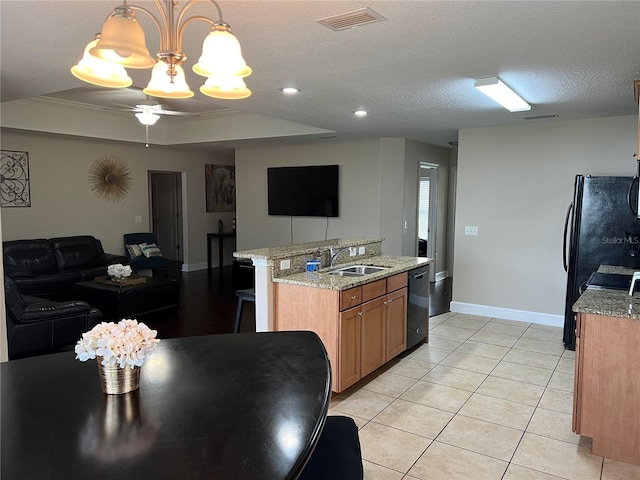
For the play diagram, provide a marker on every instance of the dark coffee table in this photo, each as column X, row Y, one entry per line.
column 116, row 302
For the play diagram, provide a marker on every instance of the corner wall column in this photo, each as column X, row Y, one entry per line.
column 264, row 294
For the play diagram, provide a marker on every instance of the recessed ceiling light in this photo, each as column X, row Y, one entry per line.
column 290, row 90
column 360, row 113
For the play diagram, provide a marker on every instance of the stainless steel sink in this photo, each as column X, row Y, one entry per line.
column 357, row 270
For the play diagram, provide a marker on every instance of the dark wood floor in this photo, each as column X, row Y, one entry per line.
column 208, row 305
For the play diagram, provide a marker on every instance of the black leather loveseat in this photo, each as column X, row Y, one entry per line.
column 50, row 267
column 37, row 325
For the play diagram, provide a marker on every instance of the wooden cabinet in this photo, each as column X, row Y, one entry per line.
column 362, row 328
column 396, row 319
column 349, row 347
column 607, row 385
column 372, row 336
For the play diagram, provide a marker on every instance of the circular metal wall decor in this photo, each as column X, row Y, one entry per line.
column 110, row 178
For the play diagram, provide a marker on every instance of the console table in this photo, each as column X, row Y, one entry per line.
column 225, row 407
column 220, row 236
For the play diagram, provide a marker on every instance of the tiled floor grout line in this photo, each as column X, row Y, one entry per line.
column 524, row 431
column 445, row 353
column 535, row 408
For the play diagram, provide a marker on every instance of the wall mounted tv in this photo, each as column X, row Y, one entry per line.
column 310, row 191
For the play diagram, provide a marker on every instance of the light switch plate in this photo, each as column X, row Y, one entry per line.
column 352, row 251
column 138, row 218
column 285, row 264
column 361, row 251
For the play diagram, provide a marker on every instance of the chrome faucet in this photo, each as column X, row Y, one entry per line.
column 334, row 254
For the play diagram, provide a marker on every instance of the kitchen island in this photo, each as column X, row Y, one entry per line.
column 275, row 262
column 361, row 319
column 607, row 372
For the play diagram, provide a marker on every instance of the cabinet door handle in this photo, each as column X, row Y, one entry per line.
column 360, row 313
column 353, row 297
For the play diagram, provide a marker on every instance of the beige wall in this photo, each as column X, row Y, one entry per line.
column 378, row 191
column 514, row 184
column 62, row 203
column 359, row 193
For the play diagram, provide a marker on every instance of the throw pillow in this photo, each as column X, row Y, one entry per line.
column 151, row 250
column 134, row 250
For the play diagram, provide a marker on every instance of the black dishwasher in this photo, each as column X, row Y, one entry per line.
column 418, row 306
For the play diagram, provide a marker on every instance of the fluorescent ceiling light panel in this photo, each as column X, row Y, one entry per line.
column 495, row 89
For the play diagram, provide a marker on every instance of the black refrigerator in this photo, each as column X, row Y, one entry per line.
column 600, row 229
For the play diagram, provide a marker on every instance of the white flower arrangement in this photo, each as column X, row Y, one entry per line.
column 119, row 271
column 124, row 343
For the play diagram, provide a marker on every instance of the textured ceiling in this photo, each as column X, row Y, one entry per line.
column 414, row 72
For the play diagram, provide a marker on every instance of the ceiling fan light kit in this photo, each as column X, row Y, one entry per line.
column 147, row 118
column 498, row 91
column 122, row 44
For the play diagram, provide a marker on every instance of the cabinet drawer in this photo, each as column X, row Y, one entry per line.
column 350, row 298
column 396, row 282
column 373, row 290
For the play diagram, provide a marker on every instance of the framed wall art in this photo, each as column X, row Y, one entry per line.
column 14, row 179
column 110, row 178
column 220, row 188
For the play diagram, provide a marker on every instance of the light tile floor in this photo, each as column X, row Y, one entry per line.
column 486, row 399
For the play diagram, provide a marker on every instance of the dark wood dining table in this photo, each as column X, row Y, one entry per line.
column 232, row 406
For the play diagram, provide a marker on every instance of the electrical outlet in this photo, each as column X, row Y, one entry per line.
column 471, row 231
column 285, row 264
column 352, row 251
column 361, row 251
column 138, row 218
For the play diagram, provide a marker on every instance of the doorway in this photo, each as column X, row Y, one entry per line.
column 165, row 205
column 427, row 213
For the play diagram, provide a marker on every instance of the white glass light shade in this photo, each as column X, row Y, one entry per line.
column 495, row 89
column 122, row 41
column 160, row 84
column 147, row 118
column 99, row 72
column 221, row 55
column 228, row 88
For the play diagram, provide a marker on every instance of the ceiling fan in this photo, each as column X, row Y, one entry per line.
column 148, row 112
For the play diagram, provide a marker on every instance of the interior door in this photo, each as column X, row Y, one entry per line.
column 166, row 212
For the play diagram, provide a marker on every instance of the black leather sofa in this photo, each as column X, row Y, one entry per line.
column 37, row 325
column 49, row 268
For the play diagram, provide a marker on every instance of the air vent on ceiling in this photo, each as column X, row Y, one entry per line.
column 355, row 18
column 540, row 117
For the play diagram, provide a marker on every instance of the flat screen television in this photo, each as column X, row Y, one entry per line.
column 311, row 191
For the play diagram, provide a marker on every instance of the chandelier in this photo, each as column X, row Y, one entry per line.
column 121, row 44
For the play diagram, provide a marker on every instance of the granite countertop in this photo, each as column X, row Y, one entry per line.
column 615, row 269
column 322, row 279
column 610, row 303
column 274, row 253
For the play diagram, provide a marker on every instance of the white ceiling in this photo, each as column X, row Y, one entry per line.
column 414, row 72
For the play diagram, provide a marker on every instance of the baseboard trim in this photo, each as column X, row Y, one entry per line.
column 508, row 314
